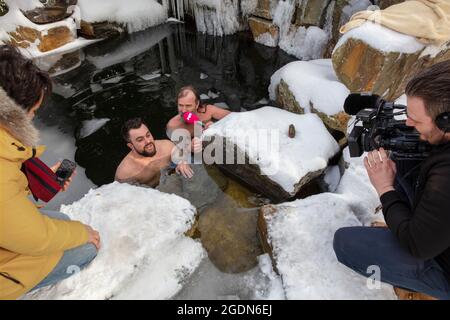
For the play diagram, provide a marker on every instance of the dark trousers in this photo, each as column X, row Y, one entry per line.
column 362, row 247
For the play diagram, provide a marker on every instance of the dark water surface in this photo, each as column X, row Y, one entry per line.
column 139, row 75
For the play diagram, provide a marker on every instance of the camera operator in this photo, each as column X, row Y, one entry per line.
column 37, row 248
column 414, row 252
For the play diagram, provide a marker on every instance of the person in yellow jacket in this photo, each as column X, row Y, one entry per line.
column 37, row 248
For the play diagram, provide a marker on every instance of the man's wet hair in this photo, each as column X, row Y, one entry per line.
column 133, row 123
column 183, row 92
column 21, row 79
column 432, row 85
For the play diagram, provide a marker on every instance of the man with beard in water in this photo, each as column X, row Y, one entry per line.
column 143, row 164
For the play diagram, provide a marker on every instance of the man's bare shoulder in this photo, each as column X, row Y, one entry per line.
column 165, row 145
column 125, row 170
column 216, row 112
column 175, row 122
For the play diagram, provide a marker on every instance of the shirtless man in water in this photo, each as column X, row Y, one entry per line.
column 143, row 164
column 189, row 101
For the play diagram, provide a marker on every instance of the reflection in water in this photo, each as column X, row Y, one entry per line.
column 138, row 75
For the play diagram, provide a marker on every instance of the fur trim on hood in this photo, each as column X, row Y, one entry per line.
column 15, row 120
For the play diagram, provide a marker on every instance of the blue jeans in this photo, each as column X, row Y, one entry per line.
column 72, row 261
column 361, row 247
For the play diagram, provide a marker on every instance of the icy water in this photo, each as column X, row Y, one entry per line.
column 139, row 75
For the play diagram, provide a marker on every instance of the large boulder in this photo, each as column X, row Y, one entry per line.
column 376, row 59
column 299, row 87
column 299, row 238
column 255, row 147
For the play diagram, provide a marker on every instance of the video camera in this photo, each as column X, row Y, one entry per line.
column 379, row 128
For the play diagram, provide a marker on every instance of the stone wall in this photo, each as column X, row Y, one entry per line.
column 327, row 15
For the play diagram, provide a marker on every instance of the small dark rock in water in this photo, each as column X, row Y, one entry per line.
column 291, row 131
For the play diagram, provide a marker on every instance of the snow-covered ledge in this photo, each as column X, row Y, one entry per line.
column 145, row 253
column 275, row 164
column 135, row 15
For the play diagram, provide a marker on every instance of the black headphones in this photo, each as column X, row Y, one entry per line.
column 443, row 121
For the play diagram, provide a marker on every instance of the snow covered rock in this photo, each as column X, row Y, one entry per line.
column 264, row 8
column 52, row 11
column 300, row 233
column 18, row 30
column 374, row 58
column 144, row 254
column 312, row 87
column 339, row 13
column 298, row 236
column 255, row 147
column 264, row 31
column 307, row 29
column 133, row 15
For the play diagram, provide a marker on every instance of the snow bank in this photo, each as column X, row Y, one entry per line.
column 312, row 82
column 284, row 160
column 135, row 14
column 382, row 39
column 144, row 253
column 301, row 233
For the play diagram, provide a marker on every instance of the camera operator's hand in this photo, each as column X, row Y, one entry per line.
column 68, row 181
column 381, row 170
